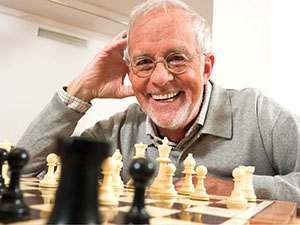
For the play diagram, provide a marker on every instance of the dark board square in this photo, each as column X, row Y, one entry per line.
column 33, row 191
column 34, row 200
column 171, row 205
column 33, row 215
column 197, row 217
column 121, row 204
column 218, row 205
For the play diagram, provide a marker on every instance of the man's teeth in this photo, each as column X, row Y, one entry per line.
column 165, row 96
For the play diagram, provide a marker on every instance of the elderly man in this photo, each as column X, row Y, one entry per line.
column 169, row 63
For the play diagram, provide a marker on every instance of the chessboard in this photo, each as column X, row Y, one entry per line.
column 181, row 210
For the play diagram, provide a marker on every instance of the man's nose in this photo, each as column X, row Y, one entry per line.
column 160, row 75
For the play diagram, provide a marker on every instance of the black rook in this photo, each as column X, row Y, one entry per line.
column 76, row 199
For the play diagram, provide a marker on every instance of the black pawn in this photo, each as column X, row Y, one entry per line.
column 141, row 171
column 3, row 158
column 76, row 200
column 12, row 205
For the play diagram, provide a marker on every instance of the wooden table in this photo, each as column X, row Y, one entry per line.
column 280, row 212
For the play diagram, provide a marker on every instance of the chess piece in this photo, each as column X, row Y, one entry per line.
column 3, row 158
column 187, row 187
column 108, row 196
column 158, row 184
column 237, row 198
column 141, row 171
column 117, row 180
column 58, row 170
column 200, row 191
column 248, row 183
column 7, row 146
column 81, row 158
column 49, row 179
column 12, row 205
column 169, row 191
column 139, row 153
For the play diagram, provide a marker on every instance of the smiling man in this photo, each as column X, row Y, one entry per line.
column 169, row 63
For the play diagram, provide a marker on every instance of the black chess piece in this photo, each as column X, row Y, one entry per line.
column 12, row 205
column 141, row 170
column 3, row 158
column 76, row 200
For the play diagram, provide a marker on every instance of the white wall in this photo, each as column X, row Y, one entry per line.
column 256, row 43
column 241, row 40
column 33, row 68
column 285, row 48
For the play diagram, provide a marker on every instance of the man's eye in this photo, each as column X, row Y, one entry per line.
column 143, row 62
column 176, row 59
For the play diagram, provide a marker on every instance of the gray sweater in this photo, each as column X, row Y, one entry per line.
column 241, row 128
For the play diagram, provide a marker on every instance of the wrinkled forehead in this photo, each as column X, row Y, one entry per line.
column 162, row 27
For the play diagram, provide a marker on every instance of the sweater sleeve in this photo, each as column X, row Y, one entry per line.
column 281, row 137
column 56, row 119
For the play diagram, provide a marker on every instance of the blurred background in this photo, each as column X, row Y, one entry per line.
column 44, row 44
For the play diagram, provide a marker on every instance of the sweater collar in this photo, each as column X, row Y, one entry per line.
column 218, row 121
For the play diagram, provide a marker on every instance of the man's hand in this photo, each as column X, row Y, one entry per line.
column 213, row 185
column 104, row 76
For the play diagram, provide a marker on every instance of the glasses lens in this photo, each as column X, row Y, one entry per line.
column 177, row 62
column 143, row 66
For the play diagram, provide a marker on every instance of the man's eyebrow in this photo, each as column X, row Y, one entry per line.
column 179, row 49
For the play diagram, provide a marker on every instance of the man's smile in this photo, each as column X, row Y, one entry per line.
column 165, row 97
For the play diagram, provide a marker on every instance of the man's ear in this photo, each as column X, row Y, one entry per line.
column 209, row 63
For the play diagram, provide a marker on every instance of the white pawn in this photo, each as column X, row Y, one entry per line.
column 169, row 192
column 164, row 151
column 237, row 199
column 187, row 187
column 248, row 183
column 49, row 179
column 107, row 195
column 117, row 180
column 140, row 150
column 200, row 191
column 58, row 170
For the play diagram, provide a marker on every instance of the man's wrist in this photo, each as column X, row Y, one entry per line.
column 73, row 102
column 75, row 89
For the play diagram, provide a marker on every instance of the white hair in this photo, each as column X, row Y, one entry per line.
column 200, row 25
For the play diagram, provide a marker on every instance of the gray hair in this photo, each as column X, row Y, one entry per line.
column 200, row 25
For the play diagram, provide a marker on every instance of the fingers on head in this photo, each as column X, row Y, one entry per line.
column 121, row 35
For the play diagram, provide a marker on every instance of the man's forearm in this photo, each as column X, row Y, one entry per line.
column 39, row 139
column 278, row 187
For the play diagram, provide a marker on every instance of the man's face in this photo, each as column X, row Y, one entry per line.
column 172, row 101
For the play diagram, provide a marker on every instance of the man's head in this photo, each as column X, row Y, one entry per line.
column 169, row 91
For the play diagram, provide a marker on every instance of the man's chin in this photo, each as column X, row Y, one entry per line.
column 167, row 123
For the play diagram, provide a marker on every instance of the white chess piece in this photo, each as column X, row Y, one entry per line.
column 107, row 195
column 189, row 164
column 163, row 159
column 237, row 199
column 200, row 191
column 7, row 146
column 49, row 179
column 117, row 180
column 168, row 192
column 248, row 183
column 140, row 150
column 58, row 170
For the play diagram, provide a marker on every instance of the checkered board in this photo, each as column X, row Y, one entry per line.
column 180, row 211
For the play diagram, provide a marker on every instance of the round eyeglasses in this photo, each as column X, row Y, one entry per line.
column 176, row 63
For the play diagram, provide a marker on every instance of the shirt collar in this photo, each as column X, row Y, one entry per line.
column 151, row 127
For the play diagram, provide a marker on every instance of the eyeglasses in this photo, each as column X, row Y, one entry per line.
column 176, row 63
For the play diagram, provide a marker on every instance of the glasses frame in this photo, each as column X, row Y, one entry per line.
column 189, row 59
